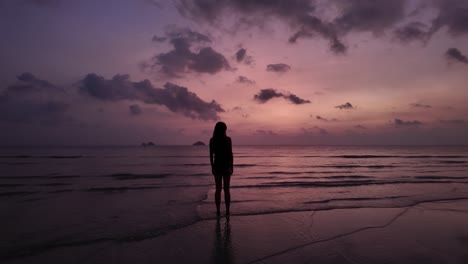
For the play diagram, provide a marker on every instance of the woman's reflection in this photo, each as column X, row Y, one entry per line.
column 223, row 251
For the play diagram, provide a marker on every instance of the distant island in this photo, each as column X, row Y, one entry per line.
column 199, row 143
column 148, row 144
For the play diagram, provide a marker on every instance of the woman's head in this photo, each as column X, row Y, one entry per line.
column 220, row 130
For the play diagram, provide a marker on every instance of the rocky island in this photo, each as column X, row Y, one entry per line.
column 199, row 143
column 148, row 144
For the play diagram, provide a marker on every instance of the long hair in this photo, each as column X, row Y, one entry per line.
column 219, row 130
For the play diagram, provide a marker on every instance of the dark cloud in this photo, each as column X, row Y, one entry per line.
column 176, row 98
column 452, row 15
column 311, row 26
column 32, row 100
column 214, row 11
column 267, row 94
column 374, row 16
column 345, row 106
column 181, row 59
column 360, row 127
column 414, row 31
column 157, row 38
column 417, row 105
column 240, row 54
column 244, row 80
column 326, row 119
column 309, row 18
column 296, row 100
column 278, row 67
column 135, row 109
column 453, row 121
column 400, row 123
column 207, row 60
column 298, row 14
column 186, row 34
column 456, row 55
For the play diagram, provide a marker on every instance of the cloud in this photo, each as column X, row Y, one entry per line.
column 135, row 109
column 452, row 15
column 295, row 99
column 297, row 14
column 267, row 94
column 32, row 100
column 400, row 123
column 181, row 59
column 262, row 132
column 345, row 106
column 207, row 60
column 278, row 67
column 374, row 16
column 310, row 25
column 414, row 31
column 417, row 105
column 456, row 55
column 360, row 127
column 176, row 98
column 240, row 54
column 336, row 19
column 325, row 119
column 157, row 38
column 453, row 121
column 315, row 130
column 245, row 80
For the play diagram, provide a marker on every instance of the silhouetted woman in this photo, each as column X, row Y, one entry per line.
column 221, row 160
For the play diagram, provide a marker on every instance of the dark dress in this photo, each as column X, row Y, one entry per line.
column 222, row 150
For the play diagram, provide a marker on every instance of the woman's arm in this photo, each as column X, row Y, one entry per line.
column 211, row 156
column 232, row 156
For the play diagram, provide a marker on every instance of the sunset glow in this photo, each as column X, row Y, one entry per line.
column 310, row 72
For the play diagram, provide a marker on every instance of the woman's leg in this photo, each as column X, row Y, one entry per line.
column 218, row 181
column 227, row 193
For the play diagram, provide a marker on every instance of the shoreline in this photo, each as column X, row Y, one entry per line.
column 268, row 238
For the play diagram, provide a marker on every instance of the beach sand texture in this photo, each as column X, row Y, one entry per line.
column 290, row 205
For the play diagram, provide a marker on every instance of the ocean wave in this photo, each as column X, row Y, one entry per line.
column 285, row 172
column 245, row 165
column 193, row 164
column 19, row 163
column 453, row 161
column 17, row 193
column 347, row 177
column 307, row 184
column 355, row 166
column 116, row 189
column 11, row 185
column 402, row 203
column 131, row 176
column 351, row 199
column 53, row 184
column 396, row 156
column 261, row 177
column 441, row 177
column 45, row 157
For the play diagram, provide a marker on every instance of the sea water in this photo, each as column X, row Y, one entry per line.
column 74, row 196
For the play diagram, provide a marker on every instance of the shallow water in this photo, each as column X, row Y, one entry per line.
column 66, row 197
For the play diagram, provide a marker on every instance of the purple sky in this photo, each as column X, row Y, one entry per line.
column 277, row 72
